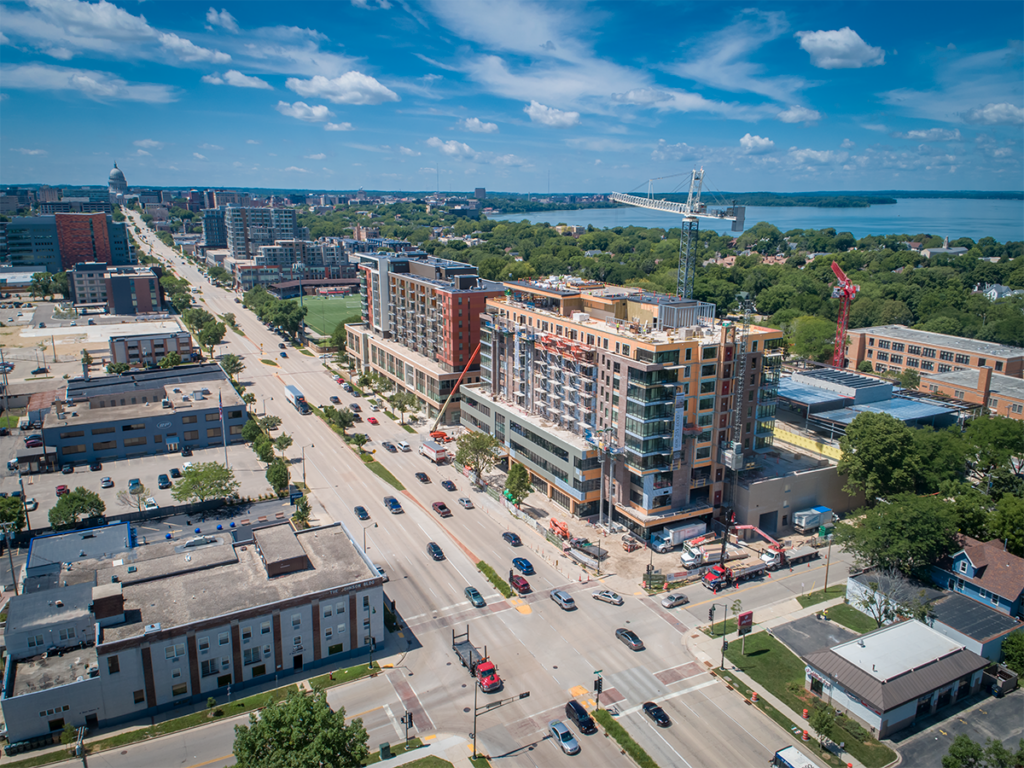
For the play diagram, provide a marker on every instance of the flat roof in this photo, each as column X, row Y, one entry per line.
column 233, row 580
column 903, row 333
column 179, row 376
column 541, row 424
column 834, row 376
column 898, row 407
column 40, row 609
column 897, row 649
column 102, row 542
column 971, row 618
column 1000, row 384
column 278, row 543
column 805, row 395
column 40, row 673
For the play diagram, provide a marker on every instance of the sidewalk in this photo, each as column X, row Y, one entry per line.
column 455, row 749
column 709, row 649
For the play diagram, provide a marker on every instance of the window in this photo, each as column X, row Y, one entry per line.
column 958, row 394
column 106, row 445
column 246, row 634
column 222, row 638
column 113, row 665
column 251, row 656
column 708, row 371
column 328, row 612
column 943, row 355
column 963, row 359
column 994, row 598
column 35, row 641
column 73, row 449
column 204, row 644
column 175, row 673
column 131, row 427
column 209, row 667
column 993, row 403
column 296, row 620
column 174, row 651
column 265, row 628
column 328, row 633
column 103, row 430
column 132, row 441
column 339, row 608
column 76, row 433
column 140, row 696
column 213, row 432
column 963, row 566
column 1016, row 408
column 180, row 689
column 190, row 420
column 67, row 634
column 234, row 414
column 296, row 641
column 191, row 435
column 212, row 417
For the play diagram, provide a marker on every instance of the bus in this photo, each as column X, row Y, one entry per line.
column 791, row 757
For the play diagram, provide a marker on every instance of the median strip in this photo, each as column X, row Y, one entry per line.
column 624, row 740
column 499, row 583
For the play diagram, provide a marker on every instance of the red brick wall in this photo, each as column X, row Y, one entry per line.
column 142, row 301
column 78, row 242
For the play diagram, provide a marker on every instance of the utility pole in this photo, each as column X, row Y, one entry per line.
column 10, row 557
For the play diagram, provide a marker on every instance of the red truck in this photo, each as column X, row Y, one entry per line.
column 479, row 667
column 720, row 576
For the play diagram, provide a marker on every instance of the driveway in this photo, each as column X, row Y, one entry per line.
column 811, row 634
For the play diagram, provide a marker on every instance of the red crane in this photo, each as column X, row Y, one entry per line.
column 846, row 292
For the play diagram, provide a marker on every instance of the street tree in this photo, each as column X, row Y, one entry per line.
column 170, row 360
column 992, row 440
column 249, row 399
column 403, row 401
column 822, row 721
column 964, row 752
column 283, row 443
column 478, row 451
column 270, row 422
column 301, row 514
column 908, row 533
column 133, row 498
column 251, row 430
column 517, row 484
column 364, row 380
column 206, row 480
column 278, row 475
column 41, row 285
column 197, row 318
column 343, row 420
column 232, row 365
column 12, row 510
column 359, row 440
column 264, row 448
column 73, row 506
column 878, row 456
column 1006, row 523
column 212, row 335
column 301, row 731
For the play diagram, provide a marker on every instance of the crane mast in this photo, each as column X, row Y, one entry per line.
column 691, row 211
column 846, row 292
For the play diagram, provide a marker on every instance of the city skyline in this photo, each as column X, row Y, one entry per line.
column 512, row 96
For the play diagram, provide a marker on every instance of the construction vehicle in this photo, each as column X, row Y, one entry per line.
column 560, row 529
column 479, row 667
column 696, row 556
column 663, row 540
column 810, row 520
column 846, row 292
column 433, row 451
column 721, row 576
column 788, row 558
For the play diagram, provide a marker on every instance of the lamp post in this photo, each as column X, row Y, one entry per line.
column 265, row 404
column 304, row 462
column 365, row 528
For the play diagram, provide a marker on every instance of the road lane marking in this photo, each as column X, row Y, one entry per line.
column 655, row 730
column 394, row 720
column 208, row 762
column 673, row 695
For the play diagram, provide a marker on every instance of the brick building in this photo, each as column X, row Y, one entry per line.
column 56, row 243
column 148, row 349
column 123, row 290
column 1000, row 395
column 898, row 348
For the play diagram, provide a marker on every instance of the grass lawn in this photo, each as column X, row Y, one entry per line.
column 780, row 672
column 306, row 352
column 400, row 748
column 431, row 761
column 325, row 314
column 268, row 362
column 812, row 598
column 346, row 675
column 479, row 762
column 615, row 729
column 10, row 420
column 851, row 618
column 381, row 471
column 715, row 630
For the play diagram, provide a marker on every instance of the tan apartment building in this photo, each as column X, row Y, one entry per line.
column 574, row 374
column 898, row 348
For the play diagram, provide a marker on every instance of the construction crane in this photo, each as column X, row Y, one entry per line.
column 846, row 292
column 691, row 211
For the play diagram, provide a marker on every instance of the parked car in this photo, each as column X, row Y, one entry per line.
column 519, row 584
column 422, row 477
column 68, row 469
column 465, row 503
column 150, row 504
column 163, row 481
column 186, row 451
column 607, row 596
column 354, row 407
column 630, row 639
column 96, row 465
column 361, row 513
column 133, row 484
column 563, row 737
column 63, row 490
column 335, row 400
column 4, row 432
column 523, row 566
column 448, row 485
column 347, row 387
column 35, row 442
column 372, row 420
column 13, row 465
column 175, row 472
column 32, row 437
column 106, row 482
column 382, row 572
column 435, row 551
column 671, row 601
column 475, row 597
column 31, row 505
column 512, row 538
column 656, row 713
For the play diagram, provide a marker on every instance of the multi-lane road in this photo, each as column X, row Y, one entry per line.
column 537, row 646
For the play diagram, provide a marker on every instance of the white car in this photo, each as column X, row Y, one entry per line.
column 186, row 466
column 31, row 505
column 150, row 504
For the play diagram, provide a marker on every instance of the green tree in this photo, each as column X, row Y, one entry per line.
column 518, row 484
column 822, row 721
column 232, row 365
column 992, row 440
column 264, row 448
column 181, row 300
column 1013, row 652
column 301, row 514
column 68, row 735
column 283, row 443
column 943, row 457
column 278, row 475
column 249, row 399
column 478, row 451
column 891, row 596
column 75, row 505
column 117, row 368
column 813, row 337
column 864, row 366
column 404, row 401
column 301, row 731
column 1006, row 523
column 41, row 285
column 343, row 420
column 86, row 357
column 964, row 752
column 909, row 533
column 59, row 284
column 170, row 360
column 251, row 430
column 364, row 380
column 12, row 510
column 971, row 507
column 910, row 379
column 359, row 440
column 212, row 334
column 878, row 456
column 270, row 422
column 206, row 480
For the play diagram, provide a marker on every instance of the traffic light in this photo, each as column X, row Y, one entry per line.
column 725, row 646
column 599, row 685
column 711, row 614
column 408, row 719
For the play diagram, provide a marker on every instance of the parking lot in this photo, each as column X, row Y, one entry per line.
column 249, row 472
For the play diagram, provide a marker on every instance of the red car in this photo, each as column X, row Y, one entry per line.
column 372, row 420
column 519, row 584
column 442, row 509
column 63, row 490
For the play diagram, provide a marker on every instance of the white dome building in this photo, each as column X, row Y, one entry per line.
column 116, row 182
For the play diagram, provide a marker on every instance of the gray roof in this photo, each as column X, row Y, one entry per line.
column 1007, row 386
column 899, row 408
column 914, row 659
column 180, row 376
column 89, row 544
column 971, row 618
column 278, row 543
column 40, row 609
column 903, row 333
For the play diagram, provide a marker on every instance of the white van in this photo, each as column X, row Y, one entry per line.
column 404, row 447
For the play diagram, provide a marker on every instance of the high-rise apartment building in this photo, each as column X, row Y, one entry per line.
column 214, row 233
column 420, row 325
column 673, row 401
column 56, row 243
column 248, row 228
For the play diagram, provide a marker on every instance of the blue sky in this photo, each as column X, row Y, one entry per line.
column 596, row 97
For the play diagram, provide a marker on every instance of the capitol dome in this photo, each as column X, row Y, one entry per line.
column 117, row 183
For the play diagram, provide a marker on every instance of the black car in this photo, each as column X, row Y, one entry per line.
column 388, row 447
column 435, row 551
column 186, row 451
column 4, row 431
column 280, row 345
column 657, row 714
column 163, row 481
column 334, row 399
column 512, row 538
column 422, row 477
column 354, row 408
column 175, row 472
column 361, row 513
column 96, row 466
column 448, row 485
column 577, row 714
column 39, row 371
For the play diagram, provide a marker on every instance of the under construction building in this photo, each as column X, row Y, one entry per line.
column 582, row 381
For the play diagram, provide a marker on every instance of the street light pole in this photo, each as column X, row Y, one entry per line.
column 364, row 534
column 304, row 462
column 10, row 556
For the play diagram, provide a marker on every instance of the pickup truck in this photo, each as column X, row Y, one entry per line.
column 392, row 504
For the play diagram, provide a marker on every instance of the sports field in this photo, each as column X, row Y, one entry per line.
column 325, row 314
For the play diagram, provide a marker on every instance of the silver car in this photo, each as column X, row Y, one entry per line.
column 671, row 601
column 607, row 596
column 563, row 737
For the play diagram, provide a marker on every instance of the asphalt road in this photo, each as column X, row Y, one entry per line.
column 537, row 647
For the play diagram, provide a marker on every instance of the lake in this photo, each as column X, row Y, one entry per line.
column 1000, row 219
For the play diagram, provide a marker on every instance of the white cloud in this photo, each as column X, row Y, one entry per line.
column 756, row 144
column 367, row 5
column 476, row 125
column 597, row 162
column 303, row 111
column 237, row 79
column 149, row 144
column 995, row 114
column 143, row 153
column 408, row 152
column 451, row 148
column 351, row 88
column 881, row 128
column 680, row 151
column 550, row 116
column 221, row 19
column 251, row 141
column 816, row 157
column 840, row 49
column 317, row 156
column 798, row 114
column 339, row 127
column 24, row 151
column 847, row 144
column 95, row 85
column 296, row 169
column 932, row 134
column 512, row 161
column 210, row 146
column 188, row 51
column 197, row 156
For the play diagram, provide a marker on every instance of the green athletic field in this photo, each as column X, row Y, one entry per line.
column 325, row 314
